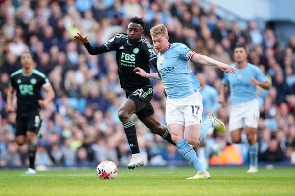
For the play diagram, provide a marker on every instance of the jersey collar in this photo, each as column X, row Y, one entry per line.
column 169, row 45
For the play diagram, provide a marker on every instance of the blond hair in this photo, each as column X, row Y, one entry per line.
column 159, row 29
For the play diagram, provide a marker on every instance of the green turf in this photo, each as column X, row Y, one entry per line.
column 149, row 181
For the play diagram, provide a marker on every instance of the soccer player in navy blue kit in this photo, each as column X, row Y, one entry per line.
column 184, row 102
column 28, row 84
column 133, row 51
column 244, row 106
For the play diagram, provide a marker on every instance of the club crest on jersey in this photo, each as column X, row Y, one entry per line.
column 161, row 59
column 33, row 81
column 19, row 81
column 240, row 76
column 135, row 50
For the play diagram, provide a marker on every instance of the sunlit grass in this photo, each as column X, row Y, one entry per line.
column 149, row 181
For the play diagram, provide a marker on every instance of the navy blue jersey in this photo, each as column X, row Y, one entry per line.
column 28, row 89
column 129, row 56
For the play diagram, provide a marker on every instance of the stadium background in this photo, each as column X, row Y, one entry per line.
column 81, row 127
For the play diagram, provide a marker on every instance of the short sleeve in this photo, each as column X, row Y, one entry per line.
column 260, row 76
column 185, row 52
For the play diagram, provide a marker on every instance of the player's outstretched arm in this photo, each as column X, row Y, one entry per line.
column 142, row 73
column 93, row 50
column 205, row 60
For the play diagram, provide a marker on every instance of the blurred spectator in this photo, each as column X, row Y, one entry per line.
column 42, row 158
column 69, row 153
column 11, row 157
column 56, row 155
column 273, row 153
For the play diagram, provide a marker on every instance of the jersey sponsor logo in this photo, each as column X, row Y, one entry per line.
column 26, row 89
column 240, row 76
column 128, row 60
column 165, row 71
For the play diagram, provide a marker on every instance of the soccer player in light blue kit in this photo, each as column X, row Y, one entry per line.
column 184, row 102
column 244, row 106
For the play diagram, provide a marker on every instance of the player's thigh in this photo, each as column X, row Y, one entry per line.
column 236, row 117
column 146, row 111
column 252, row 115
column 192, row 109
column 141, row 97
column 20, row 126
column 173, row 114
column 34, row 121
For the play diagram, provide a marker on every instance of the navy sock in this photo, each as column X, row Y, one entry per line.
column 32, row 155
column 130, row 132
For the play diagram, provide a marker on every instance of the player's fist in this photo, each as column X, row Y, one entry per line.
column 79, row 38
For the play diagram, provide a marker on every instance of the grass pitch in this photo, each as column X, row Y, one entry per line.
column 149, row 181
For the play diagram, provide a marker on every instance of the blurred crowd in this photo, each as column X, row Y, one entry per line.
column 81, row 126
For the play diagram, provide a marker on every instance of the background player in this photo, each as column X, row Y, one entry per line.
column 244, row 106
column 131, row 51
column 28, row 84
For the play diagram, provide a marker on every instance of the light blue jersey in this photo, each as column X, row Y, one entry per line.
column 174, row 70
column 241, row 88
column 196, row 82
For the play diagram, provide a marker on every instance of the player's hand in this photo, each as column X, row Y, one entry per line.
column 254, row 81
column 221, row 100
column 79, row 38
column 141, row 72
column 42, row 103
column 9, row 109
column 226, row 68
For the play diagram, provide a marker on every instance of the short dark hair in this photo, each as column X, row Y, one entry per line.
column 28, row 52
column 240, row 45
column 137, row 20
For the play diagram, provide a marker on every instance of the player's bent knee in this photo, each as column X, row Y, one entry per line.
column 123, row 116
column 20, row 141
column 193, row 141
